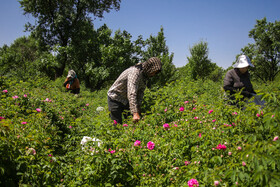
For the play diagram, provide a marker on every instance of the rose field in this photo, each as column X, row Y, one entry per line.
column 188, row 136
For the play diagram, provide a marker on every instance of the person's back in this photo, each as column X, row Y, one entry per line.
column 72, row 82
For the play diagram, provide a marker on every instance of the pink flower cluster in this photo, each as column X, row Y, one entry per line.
column 15, row 97
column 193, row 183
column 48, row 100
column 112, row 151
column 220, row 146
column 187, row 163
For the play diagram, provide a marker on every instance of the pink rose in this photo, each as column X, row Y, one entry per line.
column 220, row 146
column 150, row 145
column 216, row 183
column 210, row 111
column 23, row 123
column 275, row 138
column 182, row 109
column 137, row 143
column 193, row 183
column 38, row 110
column 125, row 125
column 5, row 91
column 166, row 126
column 15, row 97
column 187, row 163
column 243, row 163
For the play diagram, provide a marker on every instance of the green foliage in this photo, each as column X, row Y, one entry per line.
column 201, row 66
column 264, row 53
column 18, row 59
column 44, row 148
column 155, row 46
column 65, row 23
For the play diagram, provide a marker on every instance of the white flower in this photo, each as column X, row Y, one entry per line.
column 99, row 109
column 87, row 139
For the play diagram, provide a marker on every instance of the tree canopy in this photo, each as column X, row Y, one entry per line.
column 64, row 22
column 265, row 52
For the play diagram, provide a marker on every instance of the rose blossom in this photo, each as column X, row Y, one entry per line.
column 220, row 146
column 166, row 126
column 216, row 183
column 137, row 143
column 5, row 91
column 15, row 97
column 38, row 110
column 182, row 109
column 193, row 183
column 210, row 111
column 275, row 138
column 150, row 145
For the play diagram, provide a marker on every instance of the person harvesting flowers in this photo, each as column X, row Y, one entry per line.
column 127, row 91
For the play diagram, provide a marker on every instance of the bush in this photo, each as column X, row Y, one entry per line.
column 187, row 132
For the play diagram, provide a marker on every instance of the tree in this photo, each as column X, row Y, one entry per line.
column 265, row 52
column 201, row 66
column 18, row 59
column 115, row 54
column 155, row 46
column 61, row 22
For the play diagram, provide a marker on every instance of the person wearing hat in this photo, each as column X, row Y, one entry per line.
column 72, row 83
column 127, row 91
column 238, row 79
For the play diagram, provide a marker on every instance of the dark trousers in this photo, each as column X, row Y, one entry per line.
column 117, row 110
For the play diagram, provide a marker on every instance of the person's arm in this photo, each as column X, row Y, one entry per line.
column 66, row 82
column 228, row 83
column 132, row 90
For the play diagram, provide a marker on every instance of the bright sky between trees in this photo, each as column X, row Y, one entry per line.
column 224, row 24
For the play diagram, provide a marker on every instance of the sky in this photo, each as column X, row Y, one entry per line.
column 223, row 24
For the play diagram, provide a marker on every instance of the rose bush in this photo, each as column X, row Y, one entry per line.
column 188, row 136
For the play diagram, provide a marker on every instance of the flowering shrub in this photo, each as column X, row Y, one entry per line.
column 188, row 137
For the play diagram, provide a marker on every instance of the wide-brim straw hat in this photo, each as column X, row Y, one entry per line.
column 243, row 61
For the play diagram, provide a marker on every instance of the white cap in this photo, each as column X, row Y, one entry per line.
column 242, row 62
